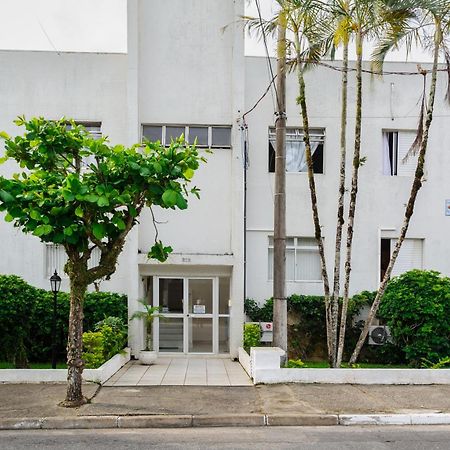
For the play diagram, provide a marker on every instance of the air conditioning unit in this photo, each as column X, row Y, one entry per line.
column 379, row 335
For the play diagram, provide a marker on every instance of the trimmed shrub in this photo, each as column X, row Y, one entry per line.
column 26, row 318
column 108, row 339
column 306, row 323
column 416, row 307
column 252, row 335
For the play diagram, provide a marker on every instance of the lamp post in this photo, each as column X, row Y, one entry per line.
column 55, row 283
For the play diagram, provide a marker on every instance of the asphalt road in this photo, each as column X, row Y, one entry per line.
column 317, row 438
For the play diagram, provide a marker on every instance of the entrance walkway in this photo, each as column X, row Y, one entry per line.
column 169, row 371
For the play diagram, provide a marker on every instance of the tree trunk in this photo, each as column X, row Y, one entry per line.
column 353, row 198
column 75, row 364
column 313, row 194
column 416, row 185
column 279, row 253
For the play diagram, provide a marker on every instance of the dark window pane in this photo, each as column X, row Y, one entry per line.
column 271, row 157
column 173, row 133
column 199, row 133
column 152, row 133
column 221, row 137
column 318, row 159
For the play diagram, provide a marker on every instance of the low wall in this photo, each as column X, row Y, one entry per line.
column 100, row 375
column 265, row 369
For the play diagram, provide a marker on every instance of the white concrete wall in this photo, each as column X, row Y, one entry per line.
column 86, row 87
column 190, row 64
column 381, row 198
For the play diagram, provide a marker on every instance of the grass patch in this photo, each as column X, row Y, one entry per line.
column 324, row 365
column 60, row 365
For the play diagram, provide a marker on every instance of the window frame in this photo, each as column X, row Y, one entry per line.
column 395, row 161
column 317, row 134
column 187, row 128
column 295, row 247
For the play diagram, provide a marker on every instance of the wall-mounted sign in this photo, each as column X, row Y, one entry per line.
column 199, row 309
column 447, row 207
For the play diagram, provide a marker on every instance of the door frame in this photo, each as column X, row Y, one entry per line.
column 186, row 315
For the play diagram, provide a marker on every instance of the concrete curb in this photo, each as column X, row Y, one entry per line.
column 229, row 420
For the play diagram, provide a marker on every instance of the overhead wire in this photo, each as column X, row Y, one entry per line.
column 268, row 60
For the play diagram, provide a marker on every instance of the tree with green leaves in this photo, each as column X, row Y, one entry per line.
column 86, row 194
column 430, row 26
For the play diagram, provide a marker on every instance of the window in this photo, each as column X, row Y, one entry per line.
column 206, row 136
column 410, row 256
column 295, row 150
column 397, row 158
column 56, row 258
column 302, row 259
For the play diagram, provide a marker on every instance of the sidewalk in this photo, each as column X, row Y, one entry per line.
column 35, row 406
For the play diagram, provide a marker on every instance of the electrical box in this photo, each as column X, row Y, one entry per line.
column 266, row 331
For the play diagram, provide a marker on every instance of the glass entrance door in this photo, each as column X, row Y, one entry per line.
column 192, row 315
column 200, row 314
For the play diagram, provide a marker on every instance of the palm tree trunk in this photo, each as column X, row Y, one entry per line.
column 340, row 212
column 353, row 197
column 416, row 185
column 312, row 189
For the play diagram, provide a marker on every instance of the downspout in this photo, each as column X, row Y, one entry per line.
column 244, row 137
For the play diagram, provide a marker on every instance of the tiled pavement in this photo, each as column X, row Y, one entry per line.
column 182, row 372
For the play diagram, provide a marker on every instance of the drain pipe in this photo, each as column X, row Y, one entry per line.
column 245, row 161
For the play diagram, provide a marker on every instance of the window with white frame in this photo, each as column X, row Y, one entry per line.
column 295, row 150
column 410, row 256
column 398, row 160
column 205, row 136
column 302, row 259
column 56, row 258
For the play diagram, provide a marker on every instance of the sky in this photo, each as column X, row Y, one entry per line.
column 97, row 26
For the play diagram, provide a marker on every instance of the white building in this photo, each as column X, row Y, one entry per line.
column 185, row 71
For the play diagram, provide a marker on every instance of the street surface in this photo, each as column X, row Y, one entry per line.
column 316, row 438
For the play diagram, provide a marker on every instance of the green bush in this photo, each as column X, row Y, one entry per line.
column 306, row 318
column 16, row 317
column 108, row 339
column 26, row 318
column 93, row 354
column 416, row 307
column 252, row 335
column 296, row 364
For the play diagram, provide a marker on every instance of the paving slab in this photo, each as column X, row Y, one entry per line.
column 38, row 400
column 178, row 400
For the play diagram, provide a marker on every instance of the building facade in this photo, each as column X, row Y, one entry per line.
column 185, row 72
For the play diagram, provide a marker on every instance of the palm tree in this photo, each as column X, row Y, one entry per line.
column 301, row 19
column 434, row 14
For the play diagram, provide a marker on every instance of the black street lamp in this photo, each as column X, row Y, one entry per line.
column 55, row 283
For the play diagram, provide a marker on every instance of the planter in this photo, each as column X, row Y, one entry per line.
column 147, row 357
column 100, row 375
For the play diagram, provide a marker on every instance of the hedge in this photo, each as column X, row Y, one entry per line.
column 26, row 319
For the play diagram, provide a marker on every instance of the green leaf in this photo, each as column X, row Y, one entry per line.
column 120, row 224
column 35, row 215
column 6, row 197
column 4, row 135
column 91, row 198
column 188, row 174
column 9, row 218
column 159, row 252
column 43, row 230
column 79, row 211
column 170, row 197
column 68, row 231
column 98, row 230
column 103, row 201
column 181, row 202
